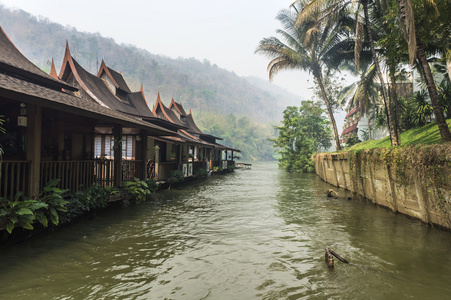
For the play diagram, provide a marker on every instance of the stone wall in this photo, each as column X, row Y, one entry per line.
column 396, row 180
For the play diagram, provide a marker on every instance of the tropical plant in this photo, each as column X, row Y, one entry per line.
column 201, row 172
column 422, row 108
column 91, row 198
column 330, row 11
column 52, row 197
column 135, row 190
column 354, row 139
column 152, row 185
column 444, row 89
column 305, row 46
column 363, row 94
column 19, row 213
column 420, row 21
column 175, row 176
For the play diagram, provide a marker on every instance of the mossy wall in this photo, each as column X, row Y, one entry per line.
column 415, row 180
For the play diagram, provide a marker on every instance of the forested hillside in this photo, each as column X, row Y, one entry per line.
column 211, row 92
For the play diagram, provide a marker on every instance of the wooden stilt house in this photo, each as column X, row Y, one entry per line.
column 50, row 130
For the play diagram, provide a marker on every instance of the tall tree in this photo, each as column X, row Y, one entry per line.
column 330, row 10
column 305, row 47
column 364, row 93
column 304, row 130
column 408, row 22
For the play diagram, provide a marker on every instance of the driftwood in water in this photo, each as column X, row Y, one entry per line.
column 331, row 193
column 329, row 257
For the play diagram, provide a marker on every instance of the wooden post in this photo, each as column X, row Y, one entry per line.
column 144, row 155
column 117, row 155
column 157, row 162
column 33, row 140
column 180, row 150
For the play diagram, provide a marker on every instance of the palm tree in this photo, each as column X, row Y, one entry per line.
column 304, row 47
column 330, row 9
column 417, row 50
column 364, row 93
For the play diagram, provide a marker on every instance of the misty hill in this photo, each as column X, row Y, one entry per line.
column 200, row 86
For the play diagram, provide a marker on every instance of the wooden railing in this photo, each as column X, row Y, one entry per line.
column 73, row 174
column 15, row 175
column 77, row 174
column 14, row 178
column 164, row 168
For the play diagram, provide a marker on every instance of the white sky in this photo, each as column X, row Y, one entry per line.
column 226, row 32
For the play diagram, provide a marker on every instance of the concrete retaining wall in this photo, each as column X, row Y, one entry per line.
column 376, row 180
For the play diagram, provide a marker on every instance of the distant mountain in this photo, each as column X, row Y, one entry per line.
column 200, row 86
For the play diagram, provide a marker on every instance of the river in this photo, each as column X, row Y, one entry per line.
column 253, row 234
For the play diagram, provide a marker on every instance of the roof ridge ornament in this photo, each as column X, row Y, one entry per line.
column 53, row 70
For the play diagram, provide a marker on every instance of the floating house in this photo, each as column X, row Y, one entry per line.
column 85, row 128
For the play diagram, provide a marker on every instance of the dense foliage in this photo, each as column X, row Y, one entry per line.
column 240, row 133
column 304, row 131
column 372, row 38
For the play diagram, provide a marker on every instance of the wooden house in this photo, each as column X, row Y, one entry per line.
column 50, row 129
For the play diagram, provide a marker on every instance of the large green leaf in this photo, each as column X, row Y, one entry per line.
column 27, row 226
column 24, row 211
column 54, row 219
column 43, row 219
column 10, row 227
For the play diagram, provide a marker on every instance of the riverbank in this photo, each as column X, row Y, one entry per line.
column 414, row 180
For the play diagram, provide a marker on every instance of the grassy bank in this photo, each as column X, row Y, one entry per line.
column 426, row 135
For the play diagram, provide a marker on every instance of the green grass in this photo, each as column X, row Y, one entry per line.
column 426, row 135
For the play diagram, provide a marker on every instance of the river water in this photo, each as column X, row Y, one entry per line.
column 253, row 234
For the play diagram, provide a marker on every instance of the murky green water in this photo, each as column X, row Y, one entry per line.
column 254, row 234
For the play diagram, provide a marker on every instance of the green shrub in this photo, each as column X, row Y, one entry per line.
column 94, row 197
column 201, row 173
column 19, row 213
column 52, row 196
column 152, row 185
column 135, row 191
column 176, row 176
column 23, row 213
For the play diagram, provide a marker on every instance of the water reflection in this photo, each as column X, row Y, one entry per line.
column 256, row 234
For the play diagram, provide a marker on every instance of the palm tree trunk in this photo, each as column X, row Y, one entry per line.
column 378, row 70
column 438, row 112
column 393, row 105
column 369, row 122
column 319, row 78
column 448, row 67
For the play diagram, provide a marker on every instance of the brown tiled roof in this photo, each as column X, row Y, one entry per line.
column 116, row 77
column 13, row 62
column 100, row 92
column 163, row 112
column 21, row 90
column 192, row 126
column 178, row 107
column 139, row 102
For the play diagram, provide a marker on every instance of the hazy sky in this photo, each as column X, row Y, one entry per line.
column 225, row 32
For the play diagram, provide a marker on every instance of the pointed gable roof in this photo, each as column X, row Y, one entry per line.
column 116, row 78
column 192, row 125
column 53, row 70
column 162, row 111
column 178, row 107
column 12, row 61
column 96, row 88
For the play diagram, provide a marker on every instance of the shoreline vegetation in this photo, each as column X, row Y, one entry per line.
column 34, row 216
column 425, row 135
